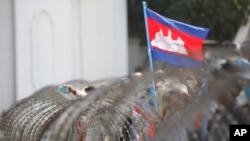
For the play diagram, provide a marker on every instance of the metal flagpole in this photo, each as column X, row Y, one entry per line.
column 144, row 5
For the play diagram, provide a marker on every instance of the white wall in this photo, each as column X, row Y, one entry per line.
column 44, row 42
column 7, row 75
column 46, row 39
column 104, row 38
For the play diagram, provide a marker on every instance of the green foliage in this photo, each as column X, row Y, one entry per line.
column 223, row 17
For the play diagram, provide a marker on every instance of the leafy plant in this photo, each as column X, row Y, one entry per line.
column 223, row 17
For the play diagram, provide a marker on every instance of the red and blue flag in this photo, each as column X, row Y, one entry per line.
column 175, row 43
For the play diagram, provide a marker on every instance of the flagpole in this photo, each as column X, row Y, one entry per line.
column 144, row 5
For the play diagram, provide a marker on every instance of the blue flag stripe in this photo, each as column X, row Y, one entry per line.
column 175, row 59
column 198, row 32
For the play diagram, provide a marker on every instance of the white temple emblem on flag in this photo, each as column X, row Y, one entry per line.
column 168, row 44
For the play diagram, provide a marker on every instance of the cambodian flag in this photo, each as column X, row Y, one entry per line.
column 173, row 42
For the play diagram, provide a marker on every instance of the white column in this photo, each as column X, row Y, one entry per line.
column 104, row 38
column 7, row 88
column 243, row 33
column 46, row 44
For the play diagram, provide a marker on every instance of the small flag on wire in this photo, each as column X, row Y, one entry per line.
column 173, row 42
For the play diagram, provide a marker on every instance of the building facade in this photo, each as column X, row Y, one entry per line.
column 43, row 42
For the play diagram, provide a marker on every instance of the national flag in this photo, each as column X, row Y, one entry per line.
column 173, row 42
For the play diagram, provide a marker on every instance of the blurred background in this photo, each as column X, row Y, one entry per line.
column 45, row 42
